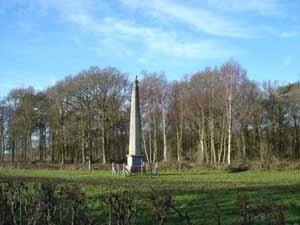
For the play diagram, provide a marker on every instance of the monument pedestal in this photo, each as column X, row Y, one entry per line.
column 134, row 164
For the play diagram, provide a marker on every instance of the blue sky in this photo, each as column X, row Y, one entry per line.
column 41, row 41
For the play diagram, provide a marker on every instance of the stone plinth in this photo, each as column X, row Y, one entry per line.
column 134, row 164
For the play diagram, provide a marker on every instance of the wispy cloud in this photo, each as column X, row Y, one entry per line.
column 193, row 31
column 265, row 8
column 156, row 39
column 203, row 19
column 118, row 32
column 78, row 12
column 231, row 18
column 290, row 34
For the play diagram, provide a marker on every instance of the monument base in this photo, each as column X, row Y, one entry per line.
column 135, row 164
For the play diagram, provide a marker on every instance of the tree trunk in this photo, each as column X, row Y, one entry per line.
column 297, row 146
column 30, row 147
column 178, row 144
column 201, row 151
column 83, row 142
column 90, row 144
column 211, row 123
column 244, row 145
column 155, row 141
column 150, row 139
column 42, row 143
column 1, row 147
column 12, row 154
column 144, row 141
column 62, row 145
column 24, row 148
column 229, row 121
column 225, row 149
column 201, row 137
column 164, row 135
column 145, row 148
column 221, row 142
column 52, row 145
column 2, row 135
column 179, row 134
column 1, row 151
column 212, row 141
column 103, row 138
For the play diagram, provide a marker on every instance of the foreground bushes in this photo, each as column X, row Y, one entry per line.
column 42, row 204
column 49, row 204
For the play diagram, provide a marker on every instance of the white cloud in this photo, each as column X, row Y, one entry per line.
column 289, row 34
column 202, row 19
column 118, row 33
column 162, row 41
column 230, row 18
column 78, row 11
column 262, row 7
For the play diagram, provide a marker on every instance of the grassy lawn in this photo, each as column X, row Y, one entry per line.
column 196, row 192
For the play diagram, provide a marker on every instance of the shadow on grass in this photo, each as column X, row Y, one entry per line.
column 202, row 206
column 200, row 200
column 178, row 174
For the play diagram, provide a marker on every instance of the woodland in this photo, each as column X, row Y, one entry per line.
column 214, row 116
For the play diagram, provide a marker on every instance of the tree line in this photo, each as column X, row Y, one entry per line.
column 213, row 116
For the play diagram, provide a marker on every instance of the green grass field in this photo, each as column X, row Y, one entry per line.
column 193, row 191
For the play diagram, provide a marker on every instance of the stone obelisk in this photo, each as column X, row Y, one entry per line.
column 134, row 158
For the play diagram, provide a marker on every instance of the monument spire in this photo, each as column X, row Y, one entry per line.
column 134, row 157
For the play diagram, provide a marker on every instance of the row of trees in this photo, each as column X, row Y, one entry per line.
column 213, row 116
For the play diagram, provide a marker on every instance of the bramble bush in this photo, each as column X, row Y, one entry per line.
column 50, row 204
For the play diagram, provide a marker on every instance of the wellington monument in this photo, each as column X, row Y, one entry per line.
column 134, row 158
